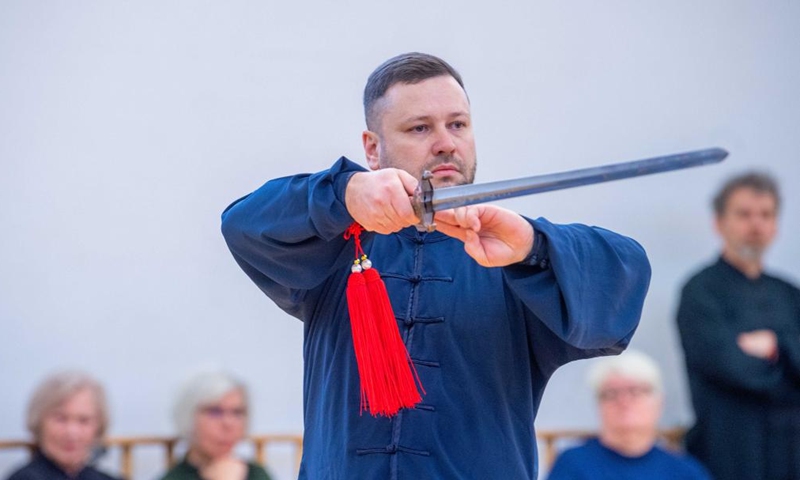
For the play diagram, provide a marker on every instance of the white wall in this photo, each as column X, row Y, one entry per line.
column 126, row 128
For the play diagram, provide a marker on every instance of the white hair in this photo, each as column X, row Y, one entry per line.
column 57, row 389
column 201, row 390
column 629, row 364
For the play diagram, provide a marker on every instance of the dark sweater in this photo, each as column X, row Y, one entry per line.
column 42, row 468
column 187, row 471
column 747, row 408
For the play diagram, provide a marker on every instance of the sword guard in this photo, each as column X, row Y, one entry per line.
column 423, row 202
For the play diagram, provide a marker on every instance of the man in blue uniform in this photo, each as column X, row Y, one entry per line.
column 488, row 306
column 740, row 329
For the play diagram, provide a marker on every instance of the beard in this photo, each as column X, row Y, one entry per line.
column 751, row 252
column 467, row 171
column 752, row 246
column 465, row 174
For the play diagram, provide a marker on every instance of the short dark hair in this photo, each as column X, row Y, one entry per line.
column 759, row 181
column 407, row 68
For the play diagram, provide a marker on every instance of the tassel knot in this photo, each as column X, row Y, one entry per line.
column 387, row 375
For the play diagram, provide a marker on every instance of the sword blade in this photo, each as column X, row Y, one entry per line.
column 459, row 196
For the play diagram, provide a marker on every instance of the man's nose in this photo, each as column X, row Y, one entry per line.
column 444, row 143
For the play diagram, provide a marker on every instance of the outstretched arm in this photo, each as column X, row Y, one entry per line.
column 585, row 285
column 287, row 235
column 597, row 279
column 591, row 288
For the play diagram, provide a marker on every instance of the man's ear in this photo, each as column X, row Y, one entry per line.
column 718, row 224
column 371, row 143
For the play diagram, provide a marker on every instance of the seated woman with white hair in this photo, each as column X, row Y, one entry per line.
column 67, row 416
column 211, row 415
column 630, row 399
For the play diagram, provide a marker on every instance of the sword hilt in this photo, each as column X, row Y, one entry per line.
column 423, row 202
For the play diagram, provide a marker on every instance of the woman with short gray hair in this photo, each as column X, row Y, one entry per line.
column 211, row 414
column 67, row 416
column 629, row 393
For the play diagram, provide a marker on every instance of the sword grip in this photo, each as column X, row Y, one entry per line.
column 422, row 201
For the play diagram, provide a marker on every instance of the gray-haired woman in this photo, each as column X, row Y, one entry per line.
column 211, row 414
column 67, row 416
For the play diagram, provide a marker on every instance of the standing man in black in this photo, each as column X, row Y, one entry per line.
column 740, row 330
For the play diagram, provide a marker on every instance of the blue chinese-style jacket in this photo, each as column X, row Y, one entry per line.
column 483, row 340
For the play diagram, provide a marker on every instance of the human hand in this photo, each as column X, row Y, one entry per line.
column 380, row 201
column 759, row 343
column 493, row 236
column 224, row 468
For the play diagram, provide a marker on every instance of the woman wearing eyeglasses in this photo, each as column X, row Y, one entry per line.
column 630, row 399
column 212, row 415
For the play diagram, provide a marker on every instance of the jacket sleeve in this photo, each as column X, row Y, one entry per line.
column 711, row 350
column 589, row 293
column 289, row 223
column 789, row 354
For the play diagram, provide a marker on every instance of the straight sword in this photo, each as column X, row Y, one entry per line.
column 427, row 200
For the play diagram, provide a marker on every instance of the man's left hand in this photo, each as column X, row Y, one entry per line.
column 493, row 236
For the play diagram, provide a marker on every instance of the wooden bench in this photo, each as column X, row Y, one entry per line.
column 552, row 440
column 127, row 445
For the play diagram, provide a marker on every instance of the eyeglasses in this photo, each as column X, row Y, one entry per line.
column 215, row 411
column 634, row 392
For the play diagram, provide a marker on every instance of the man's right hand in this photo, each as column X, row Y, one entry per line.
column 380, row 201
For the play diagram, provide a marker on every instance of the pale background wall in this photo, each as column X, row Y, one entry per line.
column 126, row 128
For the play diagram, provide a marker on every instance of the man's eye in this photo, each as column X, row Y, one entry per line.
column 458, row 125
column 419, row 128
